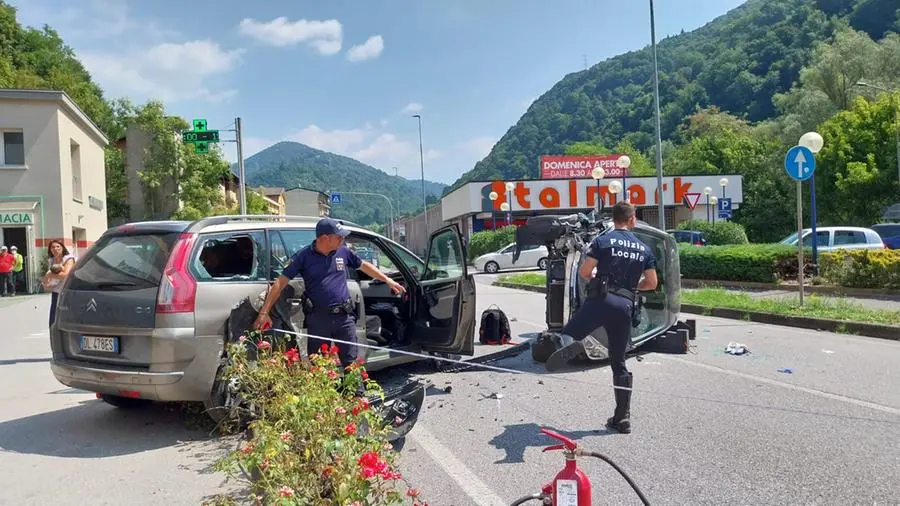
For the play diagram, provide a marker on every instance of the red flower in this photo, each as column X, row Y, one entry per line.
column 413, row 492
column 332, row 374
column 292, row 356
column 362, row 406
column 333, row 350
column 286, row 436
column 372, row 465
column 264, row 345
column 364, row 374
column 350, row 429
column 339, row 410
column 324, row 348
column 286, row 491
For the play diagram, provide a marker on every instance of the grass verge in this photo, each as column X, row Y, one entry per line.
column 814, row 306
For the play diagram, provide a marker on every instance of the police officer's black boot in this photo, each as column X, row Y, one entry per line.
column 621, row 419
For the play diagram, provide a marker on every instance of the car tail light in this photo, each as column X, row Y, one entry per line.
column 178, row 289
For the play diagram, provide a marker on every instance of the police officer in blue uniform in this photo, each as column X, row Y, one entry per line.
column 624, row 266
column 323, row 265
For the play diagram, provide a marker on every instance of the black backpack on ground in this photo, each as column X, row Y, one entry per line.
column 494, row 327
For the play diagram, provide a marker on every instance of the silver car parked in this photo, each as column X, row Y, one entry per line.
column 143, row 315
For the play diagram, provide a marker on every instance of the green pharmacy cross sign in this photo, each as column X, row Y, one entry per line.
column 200, row 137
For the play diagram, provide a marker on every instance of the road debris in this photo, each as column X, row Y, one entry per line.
column 737, row 349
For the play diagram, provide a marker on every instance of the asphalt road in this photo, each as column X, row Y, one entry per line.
column 709, row 428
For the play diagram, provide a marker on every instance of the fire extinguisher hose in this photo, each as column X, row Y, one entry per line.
column 532, row 497
column 623, row 473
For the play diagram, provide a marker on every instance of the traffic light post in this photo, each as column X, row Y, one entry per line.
column 201, row 138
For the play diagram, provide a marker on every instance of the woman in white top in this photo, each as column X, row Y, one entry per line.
column 61, row 264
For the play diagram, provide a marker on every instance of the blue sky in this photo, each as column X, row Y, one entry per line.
column 346, row 76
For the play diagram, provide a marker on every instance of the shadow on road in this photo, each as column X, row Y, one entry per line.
column 515, row 439
column 94, row 429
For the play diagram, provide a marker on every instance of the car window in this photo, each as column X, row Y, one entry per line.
column 445, row 260
column 843, row 237
column 887, row 230
column 125, row 262
column 412, row 262
column 821, row 239
column 508, row 249
column 368, row 250
column 285, row 244
column 230, row 256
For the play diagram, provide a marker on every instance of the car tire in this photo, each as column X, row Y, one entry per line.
column 125, row 402
column 491, row 267
column 542, row 264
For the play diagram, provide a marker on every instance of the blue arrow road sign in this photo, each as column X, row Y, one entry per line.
column 724, row 207
column 800, row 163
column 335, row 198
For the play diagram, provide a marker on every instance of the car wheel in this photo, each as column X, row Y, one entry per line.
column 491, row 267
column 542, row 264
column 125, row 402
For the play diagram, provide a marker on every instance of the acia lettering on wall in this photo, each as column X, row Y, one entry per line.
column 16, row 219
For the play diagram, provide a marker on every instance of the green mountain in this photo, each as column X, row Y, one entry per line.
column 737, row 62
column 291, row 164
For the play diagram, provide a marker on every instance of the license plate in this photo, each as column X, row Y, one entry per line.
column 102, row 344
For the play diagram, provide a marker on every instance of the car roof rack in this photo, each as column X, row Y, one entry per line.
column 230, row 218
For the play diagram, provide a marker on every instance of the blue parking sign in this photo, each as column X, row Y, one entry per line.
column 724, row 208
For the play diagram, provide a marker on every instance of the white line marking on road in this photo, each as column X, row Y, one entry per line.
column 468, row 481
column 811, row 391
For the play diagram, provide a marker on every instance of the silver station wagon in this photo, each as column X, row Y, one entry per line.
column 144, row 315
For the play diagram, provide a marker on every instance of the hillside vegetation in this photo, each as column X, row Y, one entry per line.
column 291, row 164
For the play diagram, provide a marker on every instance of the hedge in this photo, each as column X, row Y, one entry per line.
column 763, row 263
column 718, row 233
column 861, row 268
column 488, row 241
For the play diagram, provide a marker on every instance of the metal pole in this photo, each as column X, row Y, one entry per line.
column 812, row 219
column 240, row 157
column 598, row 196
column 422, row 166
column 659, row 167
column 800, row 238
column 897, row 137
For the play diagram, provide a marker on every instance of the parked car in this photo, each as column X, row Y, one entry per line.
column 694, row 237
column 832, row 238
column 143, row 315
column 529, row 256
column 890, row 234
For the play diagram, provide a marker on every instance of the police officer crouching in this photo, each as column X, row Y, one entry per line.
column 624, row 265
column 323, row 266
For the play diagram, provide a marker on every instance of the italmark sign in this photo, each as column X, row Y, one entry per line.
column 15, row 218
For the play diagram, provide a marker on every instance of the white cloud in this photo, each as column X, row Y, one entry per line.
column 323, row 36
column 369, row 50
column 413, row 108
column 336, row 141
column 167, row 71
column 95, row 20
column 479, row 146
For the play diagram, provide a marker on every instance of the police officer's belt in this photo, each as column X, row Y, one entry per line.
column 345, row 307
column 623, row 292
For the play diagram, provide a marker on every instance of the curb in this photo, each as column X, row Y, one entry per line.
column 888, row 332
column 885, row 293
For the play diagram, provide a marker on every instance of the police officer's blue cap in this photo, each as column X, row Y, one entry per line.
column 328, row 226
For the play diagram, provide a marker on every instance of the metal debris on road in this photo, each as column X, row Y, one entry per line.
column 786, row 370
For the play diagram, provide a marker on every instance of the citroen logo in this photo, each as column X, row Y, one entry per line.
column 92, row 305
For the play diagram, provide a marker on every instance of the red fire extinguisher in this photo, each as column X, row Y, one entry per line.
column 570, row 487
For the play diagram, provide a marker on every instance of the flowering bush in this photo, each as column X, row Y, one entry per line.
column 313, row 439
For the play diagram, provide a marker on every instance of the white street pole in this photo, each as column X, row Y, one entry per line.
column 240, row 157
column 659, row 166
column 800, row 238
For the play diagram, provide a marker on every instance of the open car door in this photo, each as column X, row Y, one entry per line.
column 444, row 297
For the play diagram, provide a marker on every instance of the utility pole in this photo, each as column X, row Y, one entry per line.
column 422, row 165
column 659, row 166
column 240, row 157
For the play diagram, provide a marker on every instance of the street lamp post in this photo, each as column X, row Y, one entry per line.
column 624, row 162
column 896, row 121
column 659, row 163
column 713, row 201
column 505, row 208
column 814, row 142
column 707, row 191
column 509, row 192
column 615, row 187
column 422, row 166
column 598, row 174
column 493, row 196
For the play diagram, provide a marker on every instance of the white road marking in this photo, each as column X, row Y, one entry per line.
column 468, row 481
column 811, row 391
